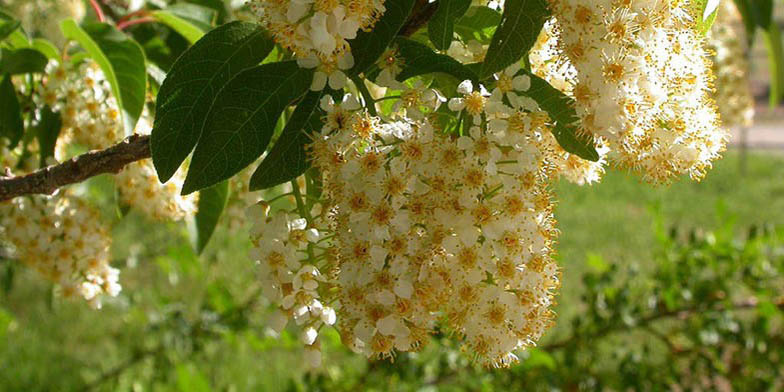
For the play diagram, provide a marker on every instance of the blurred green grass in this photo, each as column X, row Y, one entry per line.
column 47, row 344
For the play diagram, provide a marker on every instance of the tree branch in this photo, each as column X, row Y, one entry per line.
column 47, row 180
column 423, row 11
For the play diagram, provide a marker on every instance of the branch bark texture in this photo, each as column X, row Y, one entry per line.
column 47, row 180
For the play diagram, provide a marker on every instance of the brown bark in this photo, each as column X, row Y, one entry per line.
column 47, row 180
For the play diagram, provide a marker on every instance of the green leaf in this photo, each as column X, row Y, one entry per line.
column 190, row 379
column 7, row 27
column 21, row 61
column 369, row 46
column 189, row 20
column 122, row 61
column 11, row 32
column 287, row 159
column 762, row 12
column 561, row 110
column 241, row 122
column 520, row 26
column 11, row 123
column 47, row 48
column 539, row 358
column 420, row 59
column 181, row 26
column 200, row 16
column 190, row 88
column 212, row 201
column 479, row 23
column 46, row 131
column 773, row 43
column 217, row 6
column 441, row 28
column 744, row 8
column 705, row 12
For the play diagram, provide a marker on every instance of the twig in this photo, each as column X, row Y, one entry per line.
column 98, row 10
column 48, row 180
column 128, row 23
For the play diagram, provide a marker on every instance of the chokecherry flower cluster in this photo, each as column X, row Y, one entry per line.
column 642, row 81
column 318, row 31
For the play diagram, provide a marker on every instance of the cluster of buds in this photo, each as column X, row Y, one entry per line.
column 317, row 32
column 642, row 81
column 63, row 239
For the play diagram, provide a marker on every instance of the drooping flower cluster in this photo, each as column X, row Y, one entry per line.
column 63, row 239
column 417, row 228
column 139, row 187
column 642, row 83
column 285, row 248
column 727, row 42
column 83, row 96
column 317, row 32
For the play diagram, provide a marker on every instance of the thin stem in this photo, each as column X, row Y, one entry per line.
column 300, row 203
column 127, row 17
column 278, row 197
column 388, row 98
column 129, row 23
column 98, row 10
column 370, row 103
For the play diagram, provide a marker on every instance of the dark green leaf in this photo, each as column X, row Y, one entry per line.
column 202, row 17
column 11, row 32
column 420, row 59
column 369, row 46
column 479, row 23
column 212, row 201
column 241, row 122
column 46, row 131
column 11, row 123
column 21, row 61
column 187, row 94
column 216, row 5
column 520, row 26
column 744, row 8
column 287, row 159
column 7, row 27
column 441, row 27
column 561, row 110
column 762, row 11
column 122, row 61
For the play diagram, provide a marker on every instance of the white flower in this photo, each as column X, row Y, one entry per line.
column 508, row 83
column 473, row 102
